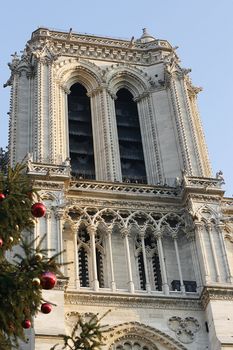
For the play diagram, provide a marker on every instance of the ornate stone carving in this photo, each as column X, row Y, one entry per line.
column 156, row 300
column 216, row 293
column 185, row 329
column 94, row 47
column 133, row 331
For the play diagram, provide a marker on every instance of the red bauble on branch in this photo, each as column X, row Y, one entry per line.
column 26, row 324
column 46, row 308
column 2, row 196
column 48, row 280
column 38, row 210
column 1, row 242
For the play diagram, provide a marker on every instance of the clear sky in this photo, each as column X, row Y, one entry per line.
column 202, row 29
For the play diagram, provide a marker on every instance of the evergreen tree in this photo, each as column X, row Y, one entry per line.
column 20, row 278
column 85, row 335
column 23, row 277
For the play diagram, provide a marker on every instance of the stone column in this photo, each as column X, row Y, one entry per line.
column 113, row 283
column 48, row 231
column 229, row 272
column 76, row 261
column 202, row 252
column 209, row 230
column 59, row 217
column 148, row 286
column 125, row 233
column 162, row 262
column 92, row 232
column 182, row 287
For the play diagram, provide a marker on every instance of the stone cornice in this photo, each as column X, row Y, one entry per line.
column 210, row 293
column 103, row 48
column 132, row 301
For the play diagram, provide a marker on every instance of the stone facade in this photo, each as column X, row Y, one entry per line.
column 158, row 255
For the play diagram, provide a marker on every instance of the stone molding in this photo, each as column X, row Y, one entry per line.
column 129, row 301
column 210, row 293
column 100, row 48
column 136, row 330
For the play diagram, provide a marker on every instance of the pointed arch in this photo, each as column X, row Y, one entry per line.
column 73, row 71
column 138, row 331
column 131, row 78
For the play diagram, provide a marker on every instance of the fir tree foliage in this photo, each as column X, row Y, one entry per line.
column 20, row 297
column 85, row 335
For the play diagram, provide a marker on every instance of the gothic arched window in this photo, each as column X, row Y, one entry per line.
column 80, row 132
column 83, row 257
column 151, row 260
column 100, row 259
column 130, row 140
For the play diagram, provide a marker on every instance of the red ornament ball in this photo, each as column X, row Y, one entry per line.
column 48, row 280
column 46, row 308
column 26, row 324
column 2, row 196
column 1, row 242
column 38, row 210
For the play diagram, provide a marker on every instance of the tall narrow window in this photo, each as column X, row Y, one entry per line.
column 83, row 256
column 100, row 259
column 152, row 263
column 80, row 133
column 130, row 140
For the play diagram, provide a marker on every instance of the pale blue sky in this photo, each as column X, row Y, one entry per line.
column 202, row 29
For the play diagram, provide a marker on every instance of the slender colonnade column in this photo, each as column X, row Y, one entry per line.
column 92, row 232
column 142, row 236
column 200, row 230
column 163, row 266
column 109, row 236
column 182, row 287
column 125, row 233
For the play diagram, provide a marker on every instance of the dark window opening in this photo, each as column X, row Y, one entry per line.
column 80, row 133
column 142, row 274
column 100, row 268
column 83, row 267
column 129, row 136
column 157, row 272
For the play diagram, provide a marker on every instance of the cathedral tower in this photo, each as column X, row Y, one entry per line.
column 112, row 137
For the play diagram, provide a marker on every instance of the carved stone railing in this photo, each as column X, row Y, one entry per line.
column 201, row 182
column 125, row 188
column 48, row 170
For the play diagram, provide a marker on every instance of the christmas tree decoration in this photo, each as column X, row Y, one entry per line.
column 38, row 210
column 38, row 256
column 36, row 281
column 20, row 283
column 48, row 280
column 26, row 324
column 46, row 308
column 2, row 197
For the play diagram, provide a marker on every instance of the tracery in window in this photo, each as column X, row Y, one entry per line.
column 131, row 344
column 129, row 137
column 83, row 257
column 100, row 259
column 152, row 262
column 80, row 132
